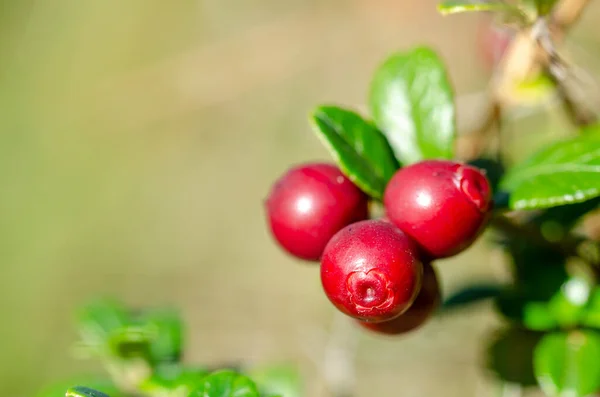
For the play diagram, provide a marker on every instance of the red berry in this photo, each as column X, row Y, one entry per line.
column 418, row 313
column 370, row 270
column 309, row 204
column 442, row 205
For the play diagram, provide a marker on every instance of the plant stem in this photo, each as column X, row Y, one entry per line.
column 526, row 56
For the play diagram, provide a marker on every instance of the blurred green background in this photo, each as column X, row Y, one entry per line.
column 138, row 139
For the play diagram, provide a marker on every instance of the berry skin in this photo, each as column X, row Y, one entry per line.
column 309, row 204
column 442, row 205
column 418, row 313
column 370, row 271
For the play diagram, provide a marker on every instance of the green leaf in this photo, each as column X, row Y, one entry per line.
column 454, row 7
column 131, row 341
column 173, row 380
column 359, row 148
column 82, row 391
column 166, row 334
column 562, row 173
column 226, row 384
column 568, row 364
column 98, row 320
column 281, row 380
column 568, row 305
column 564, row 308
column 412, row 102
column 510, row 355
column 591, row 315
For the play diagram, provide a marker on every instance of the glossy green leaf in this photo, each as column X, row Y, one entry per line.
column 510, row 355
column 226, row 384
column 563, row 173
column 568, row 364
column 412, row 103
column 284, row 380
column 358, row 147
column 82, row 391
column 454, row 7
column 166, row 331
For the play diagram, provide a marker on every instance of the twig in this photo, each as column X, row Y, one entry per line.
column 560, row 73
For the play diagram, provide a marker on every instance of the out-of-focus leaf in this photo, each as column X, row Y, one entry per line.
column 98, row 320
column 510, row 355
column 131, row 341
column 173, row 380
column 568, row 364
column 226, row 384
column 166, row 334
column 565, row 308
column 284, row 380
column 358, row 147
column 412, row 102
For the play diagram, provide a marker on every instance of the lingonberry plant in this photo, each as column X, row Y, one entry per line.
column 438, row 201
column 142, row 353
column 379, row 267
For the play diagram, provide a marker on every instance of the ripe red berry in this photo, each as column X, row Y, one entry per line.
column 418, row 313
column 370, row 271
column 309, row 204
column 442, row 205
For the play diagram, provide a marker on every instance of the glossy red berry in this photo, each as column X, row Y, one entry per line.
column 428, row 300
column 442, row 205
column 309, row 204
column 370, row 271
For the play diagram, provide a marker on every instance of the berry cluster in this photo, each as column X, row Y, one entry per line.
column 379, row 271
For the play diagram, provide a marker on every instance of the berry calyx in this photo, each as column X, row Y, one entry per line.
column 427, row 301
column 309, row 204
column 370, row 271
column 442, row 205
